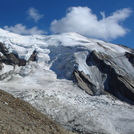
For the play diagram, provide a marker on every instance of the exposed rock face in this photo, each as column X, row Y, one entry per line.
column 10, row 58
column 84, row 82
column 13, row 60
column 130, row 57
column 33, row 57
column 116, row 79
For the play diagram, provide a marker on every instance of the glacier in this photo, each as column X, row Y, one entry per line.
column 48, row 83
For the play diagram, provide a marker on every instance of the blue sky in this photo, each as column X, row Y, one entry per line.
column 109, row 20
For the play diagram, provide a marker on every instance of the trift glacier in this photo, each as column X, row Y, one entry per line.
column 67, row 80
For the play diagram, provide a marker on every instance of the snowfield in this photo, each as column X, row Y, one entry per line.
column 47, row 83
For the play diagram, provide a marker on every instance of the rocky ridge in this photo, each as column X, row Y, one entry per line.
column 114, row 79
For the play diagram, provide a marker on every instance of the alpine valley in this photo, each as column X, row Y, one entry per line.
column 84, row 84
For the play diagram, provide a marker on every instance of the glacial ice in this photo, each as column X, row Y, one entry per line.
column 46, row 83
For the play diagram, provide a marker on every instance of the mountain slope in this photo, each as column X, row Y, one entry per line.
column 18, row 117
column 80, row 82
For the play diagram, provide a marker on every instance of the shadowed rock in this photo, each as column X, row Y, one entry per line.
column 117, row 81
column 10, row 58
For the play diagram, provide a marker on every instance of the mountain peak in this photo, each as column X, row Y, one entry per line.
column 69, row 73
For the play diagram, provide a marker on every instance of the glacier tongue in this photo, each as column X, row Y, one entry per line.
column 47, row 83
column 63, row 101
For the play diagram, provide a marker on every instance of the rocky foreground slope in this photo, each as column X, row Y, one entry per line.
column 19, row 117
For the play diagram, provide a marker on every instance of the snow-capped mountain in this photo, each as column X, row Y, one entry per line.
column 86, row 85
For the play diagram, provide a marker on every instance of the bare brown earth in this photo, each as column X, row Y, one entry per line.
column 19, row 117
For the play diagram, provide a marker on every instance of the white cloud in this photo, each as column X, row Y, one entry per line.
column 83, row 21
column 33, row 13
column 21, row 29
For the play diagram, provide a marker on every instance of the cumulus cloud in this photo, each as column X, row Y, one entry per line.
column 83, row 21
column 21, row 29
column 34, row 14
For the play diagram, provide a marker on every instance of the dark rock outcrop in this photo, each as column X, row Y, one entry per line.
column 13, row 58
column 33, row 57
column 84, row 82
column 117, row 82
column 10, row 58
column 130, row 57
